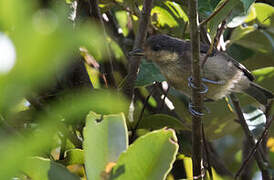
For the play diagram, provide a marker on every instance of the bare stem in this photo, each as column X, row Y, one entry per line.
column 250, row 140
column 196, row 95
column 214, row 13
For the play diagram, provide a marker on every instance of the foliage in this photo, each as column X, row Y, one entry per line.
column 64, row 116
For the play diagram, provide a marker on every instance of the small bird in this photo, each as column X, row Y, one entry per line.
column 221, row 73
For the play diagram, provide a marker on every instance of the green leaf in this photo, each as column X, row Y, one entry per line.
column 264, row 14
column 256, row 32
column 122, row 18
column 149, row 157
column 43, row 169
column 264, row 77
column 169, row 17
column 158, row 121
column 74, row 156
column 247, row 4
column 51, row 42
column 239, row 52
column 105, row 138
column 251, row 38
column 255, row 120
column 221, row 15
column 148, row 74
column 16, row 148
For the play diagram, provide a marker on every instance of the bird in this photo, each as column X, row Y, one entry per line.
column 221, row 74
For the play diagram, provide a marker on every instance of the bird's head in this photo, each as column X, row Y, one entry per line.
column 160, row 49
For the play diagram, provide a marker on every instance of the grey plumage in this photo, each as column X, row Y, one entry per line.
column 172, row 55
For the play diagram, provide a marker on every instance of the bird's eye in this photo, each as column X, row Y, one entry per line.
column 156, row 47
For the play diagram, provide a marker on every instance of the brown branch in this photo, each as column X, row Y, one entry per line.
column 214, row 43
column 250, row 140
column 196, row 95
column 214, row 13
column 134, row 62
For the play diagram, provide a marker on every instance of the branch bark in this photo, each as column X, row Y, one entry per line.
column 196, row 95
column 134, row 62
column 214, row 13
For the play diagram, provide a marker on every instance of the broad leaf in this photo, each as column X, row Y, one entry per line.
column 105, row 138
column 149, row 157
column 148, row 74
column 158, row 121
column 43, row 169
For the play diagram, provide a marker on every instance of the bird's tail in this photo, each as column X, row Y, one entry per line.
column 261, row 94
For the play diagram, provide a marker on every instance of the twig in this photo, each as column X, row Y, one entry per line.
column 250, row 140
column 253, row 151
column 141, row 114
column 214, row 13
column 134, row 61
column 196, row 95
column 208, row 167
column 214, row 43
column 112, row 27
column 95, row 12
column 217, row 163
column 63, row 146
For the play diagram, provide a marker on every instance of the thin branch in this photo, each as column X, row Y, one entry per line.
column 217, row 162
column 255, row 148
column 96, row 13
column 214, row 43
column 142, row 113
column 208, row 167
column 214, row 13
column 134, row 61
column 196, row 95
column 250, row 140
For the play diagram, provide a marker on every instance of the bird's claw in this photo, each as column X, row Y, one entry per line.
column 191, row 84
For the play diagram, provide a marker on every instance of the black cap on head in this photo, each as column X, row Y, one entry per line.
column 164, row 42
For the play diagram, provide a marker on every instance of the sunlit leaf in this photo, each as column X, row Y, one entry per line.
column 149, row 157
column 44, row 169
column 74, row 156
column 221, row 15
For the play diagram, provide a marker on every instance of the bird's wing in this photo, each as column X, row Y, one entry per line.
column 204, row 48
column 246, row 72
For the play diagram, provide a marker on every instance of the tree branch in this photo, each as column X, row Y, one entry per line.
column 214, row 13
column 250, row 140
column 134, row 62
column 196, row 95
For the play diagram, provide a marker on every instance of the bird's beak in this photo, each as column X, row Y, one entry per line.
column 136, row 52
